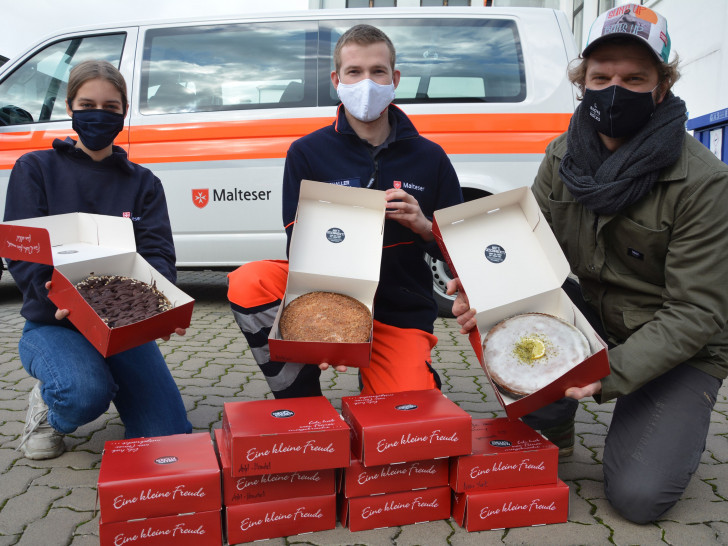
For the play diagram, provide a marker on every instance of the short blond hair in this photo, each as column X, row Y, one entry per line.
column 363, row 35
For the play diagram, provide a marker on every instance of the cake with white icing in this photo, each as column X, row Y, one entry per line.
column 524, row 353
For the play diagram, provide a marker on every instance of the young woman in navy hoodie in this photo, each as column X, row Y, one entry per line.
column 75, row 383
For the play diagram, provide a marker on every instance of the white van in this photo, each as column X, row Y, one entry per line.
column 216, row 103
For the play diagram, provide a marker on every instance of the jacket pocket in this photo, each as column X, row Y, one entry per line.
column 636, row 318
column 566, row 223
column 635, row 250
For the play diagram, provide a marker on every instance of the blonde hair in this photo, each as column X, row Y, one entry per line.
column 363, row 35
column 91, row 70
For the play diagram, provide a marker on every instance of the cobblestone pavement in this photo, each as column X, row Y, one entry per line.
column 52, row 502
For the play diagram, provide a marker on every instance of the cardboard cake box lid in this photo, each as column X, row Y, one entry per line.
column 280, row 518
column 336, row 246
column 80, row 244
column 506, row 453
column 406, row 426
column 509, row 262
column 360, row 481
column 289, row 435
column 194, row 529
column 395, row 509
column 269, row 487
column 160, row 476
column 514, row 507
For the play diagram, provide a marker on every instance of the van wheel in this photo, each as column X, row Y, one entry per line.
column 441, row 273
column 440, row 276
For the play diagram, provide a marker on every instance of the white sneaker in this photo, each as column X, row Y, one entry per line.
column 40, row 440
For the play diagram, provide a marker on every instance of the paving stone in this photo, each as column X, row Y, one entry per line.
column 17, row 480
column 28, row 508
column 212, row 365
column 57, row 527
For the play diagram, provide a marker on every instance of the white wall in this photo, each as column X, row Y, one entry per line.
column 698, row 32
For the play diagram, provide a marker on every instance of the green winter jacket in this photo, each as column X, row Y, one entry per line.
column 656, row 272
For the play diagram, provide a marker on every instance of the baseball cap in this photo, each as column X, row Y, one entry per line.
column 631, row 20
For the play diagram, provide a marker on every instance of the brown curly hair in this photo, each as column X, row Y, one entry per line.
column 667, row 73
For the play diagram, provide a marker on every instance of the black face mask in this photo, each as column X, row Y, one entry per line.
column 618, row 112
column 97, row 129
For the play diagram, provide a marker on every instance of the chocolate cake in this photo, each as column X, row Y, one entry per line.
column 121, row 301
column 327, row 317
column 526, row 352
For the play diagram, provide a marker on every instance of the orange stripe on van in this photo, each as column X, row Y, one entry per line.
column 260, row 139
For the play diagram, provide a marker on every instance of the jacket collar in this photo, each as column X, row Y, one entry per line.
column 117, row 158
column 403, row 129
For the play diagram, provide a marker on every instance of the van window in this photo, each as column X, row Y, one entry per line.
column 36, row 90
column 230, row 67
column 446, row 60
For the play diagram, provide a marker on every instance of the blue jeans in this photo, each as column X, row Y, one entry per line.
column 78, row 384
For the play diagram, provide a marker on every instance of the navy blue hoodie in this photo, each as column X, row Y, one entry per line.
column 335, row 154
column 64, row 180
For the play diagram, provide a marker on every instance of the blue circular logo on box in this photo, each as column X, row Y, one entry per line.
column 335, row 235
column 495, row 254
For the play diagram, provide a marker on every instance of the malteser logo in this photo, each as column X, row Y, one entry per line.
column 397, row 184
column 166, row 460
column 282, row 413
column 406, row 407
column 201, row 197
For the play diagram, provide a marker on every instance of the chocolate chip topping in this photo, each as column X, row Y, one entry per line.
column 121, row 301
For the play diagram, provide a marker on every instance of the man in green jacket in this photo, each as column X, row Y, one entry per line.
column 639, row 208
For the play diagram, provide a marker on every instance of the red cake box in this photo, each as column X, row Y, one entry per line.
column 196, row 529
column 290, row 435
column 280, row 518
column 78, row 245
column 509, row 263
column 269, row 487
column 335, row 246
column 161, row 476
column 514, row 507
column 505, row 454
column 393, row 509
column 406, row 426
column 359, row 480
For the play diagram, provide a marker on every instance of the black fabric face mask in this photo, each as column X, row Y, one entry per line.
column 618, row 112
column 97, row 129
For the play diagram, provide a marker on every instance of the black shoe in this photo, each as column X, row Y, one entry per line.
column 562, row 436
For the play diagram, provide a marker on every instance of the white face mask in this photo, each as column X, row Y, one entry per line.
column 365, row 99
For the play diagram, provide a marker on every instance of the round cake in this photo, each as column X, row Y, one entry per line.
column 121, row 301
column 326, row 316
column 526, row 352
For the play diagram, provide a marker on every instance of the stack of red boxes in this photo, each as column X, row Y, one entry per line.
column 510, row 480
column 159, row 491
column 400, row 448
column 279, row 459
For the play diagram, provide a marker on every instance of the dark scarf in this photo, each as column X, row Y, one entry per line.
column 606, row 182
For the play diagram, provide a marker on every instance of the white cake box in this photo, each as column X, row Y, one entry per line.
column 79, row 244
column 509, row 262
column 336, row 246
